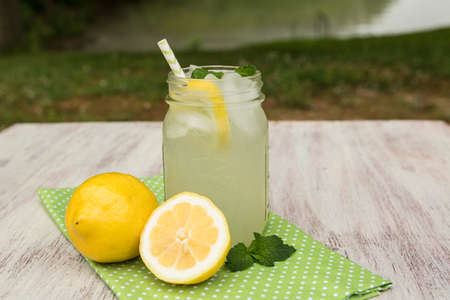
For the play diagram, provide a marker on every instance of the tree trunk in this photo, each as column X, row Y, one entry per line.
column 9, row 23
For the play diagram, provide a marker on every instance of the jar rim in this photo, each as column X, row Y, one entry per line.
column 172, row 78
column 257, row 100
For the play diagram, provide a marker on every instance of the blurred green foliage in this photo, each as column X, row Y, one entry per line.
column 404, row 76
column 46, row 23
column 50, row 24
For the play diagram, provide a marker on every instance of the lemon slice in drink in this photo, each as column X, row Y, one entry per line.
column 185, row 240
column 214, row 95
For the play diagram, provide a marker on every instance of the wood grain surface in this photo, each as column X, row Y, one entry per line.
column 377, row 192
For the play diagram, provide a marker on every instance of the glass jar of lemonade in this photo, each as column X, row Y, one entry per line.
column 215, row 143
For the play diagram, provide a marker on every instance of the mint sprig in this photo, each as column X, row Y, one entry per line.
column 200, row 73
column 239, row 258
column 265, row 250
column 217, row 74
column 268, row 249
column 245, row 71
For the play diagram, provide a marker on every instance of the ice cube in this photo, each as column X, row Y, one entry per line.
column 231, row 76
column 210, row 76
column 237, row 88
column 183, row 120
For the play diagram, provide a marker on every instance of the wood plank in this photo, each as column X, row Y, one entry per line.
column 377, row 192
column 36, row 262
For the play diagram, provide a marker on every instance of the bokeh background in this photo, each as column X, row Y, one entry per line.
column 75, row 60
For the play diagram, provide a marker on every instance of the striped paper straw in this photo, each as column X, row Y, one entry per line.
column 171, row 59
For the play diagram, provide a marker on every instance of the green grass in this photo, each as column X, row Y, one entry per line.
column 406, row 76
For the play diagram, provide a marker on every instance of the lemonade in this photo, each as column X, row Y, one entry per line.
column 215, row 143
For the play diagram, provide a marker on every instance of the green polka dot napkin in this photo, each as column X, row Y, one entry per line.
column 312, row 272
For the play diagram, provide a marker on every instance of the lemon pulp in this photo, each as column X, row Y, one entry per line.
column 185, row 240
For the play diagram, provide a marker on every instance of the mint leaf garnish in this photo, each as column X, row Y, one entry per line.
column 268, row 249
column 238, row 258
column 265, row 250
column 200, row 73
column 217, row 74
column 246, row 70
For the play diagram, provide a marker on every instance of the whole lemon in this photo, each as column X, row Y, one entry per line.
column 106, row 215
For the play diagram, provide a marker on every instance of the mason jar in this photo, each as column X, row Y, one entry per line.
column 215, row 143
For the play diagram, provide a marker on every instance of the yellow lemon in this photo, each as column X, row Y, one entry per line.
column 214, row 95
column 106, row 215
column 185, row 240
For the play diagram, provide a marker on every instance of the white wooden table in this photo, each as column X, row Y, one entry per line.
column 376, row 192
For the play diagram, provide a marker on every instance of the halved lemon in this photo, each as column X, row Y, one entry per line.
column 185, row 240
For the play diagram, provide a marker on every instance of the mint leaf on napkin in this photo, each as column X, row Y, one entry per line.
column 238, row 258
column 265, row 250
column 268, row 249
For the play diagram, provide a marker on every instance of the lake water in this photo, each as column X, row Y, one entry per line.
column 404, row 16
column 222, row 24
